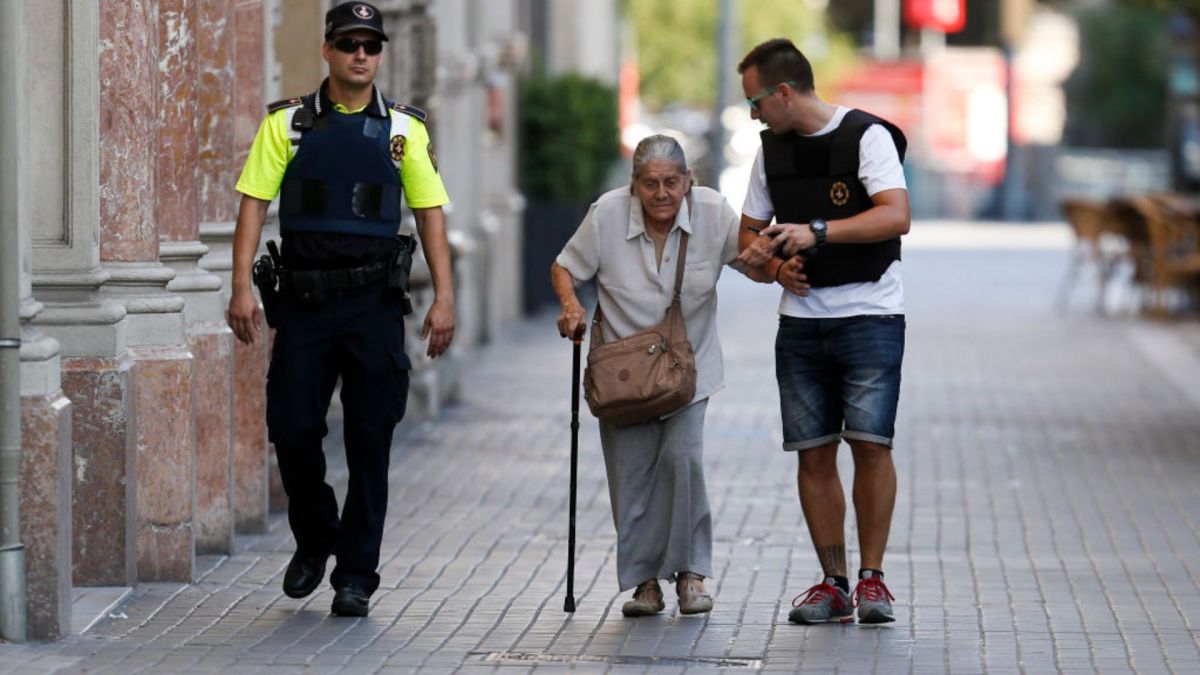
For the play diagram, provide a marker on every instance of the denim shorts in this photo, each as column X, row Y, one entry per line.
column 839, row 378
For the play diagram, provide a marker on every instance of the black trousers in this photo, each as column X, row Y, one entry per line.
column 357, row 335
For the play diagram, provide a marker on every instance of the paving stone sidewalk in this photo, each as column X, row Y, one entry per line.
column 1047, row 517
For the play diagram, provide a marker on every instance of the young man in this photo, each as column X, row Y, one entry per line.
column 340, row 159
column 831, row 178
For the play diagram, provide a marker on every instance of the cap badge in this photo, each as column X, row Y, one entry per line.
column 839, row 193
column 363, row 12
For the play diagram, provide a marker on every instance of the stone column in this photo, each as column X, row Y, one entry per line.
column 164, row 428
column 208, row 337
column 45, row 472
column 411, row 76
column 62, row 202
column 45, row 492
column 45, row 466
column 231, row 89
column 502, row 55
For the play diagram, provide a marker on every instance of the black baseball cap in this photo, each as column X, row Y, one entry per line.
column 350, row 16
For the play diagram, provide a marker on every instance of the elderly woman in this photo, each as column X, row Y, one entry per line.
column 629, row 242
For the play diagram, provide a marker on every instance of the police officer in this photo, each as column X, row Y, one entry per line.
column 340, row 159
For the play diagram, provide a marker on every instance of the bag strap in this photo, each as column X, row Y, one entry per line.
column 598, row 315
column 682, row 258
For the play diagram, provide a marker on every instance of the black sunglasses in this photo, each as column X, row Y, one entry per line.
column 350, row 45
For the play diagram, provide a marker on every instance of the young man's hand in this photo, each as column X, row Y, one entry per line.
column 790, row 238
column 792, row 276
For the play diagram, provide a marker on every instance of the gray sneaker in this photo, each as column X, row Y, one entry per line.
column 873, row 599
column 823, row 603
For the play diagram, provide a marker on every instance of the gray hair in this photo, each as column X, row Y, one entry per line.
column 658, row 146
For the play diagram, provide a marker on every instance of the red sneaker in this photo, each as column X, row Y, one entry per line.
column 823, row 603
column 873, row 599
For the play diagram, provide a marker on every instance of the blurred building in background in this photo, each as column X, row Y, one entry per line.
column 142, row 433
column 1014, row 106
column 1009, row 106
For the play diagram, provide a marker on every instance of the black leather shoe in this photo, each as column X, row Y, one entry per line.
column 304, row 573
column 350, row 601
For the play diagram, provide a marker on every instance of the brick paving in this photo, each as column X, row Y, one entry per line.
column 1046, row 521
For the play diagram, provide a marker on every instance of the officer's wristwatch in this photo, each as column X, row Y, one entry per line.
column 819, row 228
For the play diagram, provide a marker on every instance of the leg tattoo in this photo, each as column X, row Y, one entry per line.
column 833, row 559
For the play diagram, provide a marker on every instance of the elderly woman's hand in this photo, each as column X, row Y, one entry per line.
column 572, row 321
column 759, row 252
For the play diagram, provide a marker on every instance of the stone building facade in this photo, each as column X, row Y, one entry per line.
column 143, row 439
column 133, row 458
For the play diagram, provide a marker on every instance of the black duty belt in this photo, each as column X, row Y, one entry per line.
column 315, row 285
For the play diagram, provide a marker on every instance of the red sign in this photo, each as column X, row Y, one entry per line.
column 891, row 89
column 952, row 106
column 947, row 16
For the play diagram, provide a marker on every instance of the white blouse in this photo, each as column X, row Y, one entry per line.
column 612, row 245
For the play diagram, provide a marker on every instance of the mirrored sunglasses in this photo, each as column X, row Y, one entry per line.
column 350, row 45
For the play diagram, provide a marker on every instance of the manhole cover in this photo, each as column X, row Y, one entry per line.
column 538, row 657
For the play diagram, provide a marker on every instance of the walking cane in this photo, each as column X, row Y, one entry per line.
column 569, row 603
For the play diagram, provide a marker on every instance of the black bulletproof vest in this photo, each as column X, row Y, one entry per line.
column 342, row 179
column 817, row 177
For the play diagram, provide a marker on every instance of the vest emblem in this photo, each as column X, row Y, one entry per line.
column 397, row 148
column 839, row 193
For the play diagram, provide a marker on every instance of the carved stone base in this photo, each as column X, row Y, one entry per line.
column 275, row 492
column 250, row 477
column 46, row 513
column 212, row 347
column 257, row 490
column 166, row 457
column 104, row 470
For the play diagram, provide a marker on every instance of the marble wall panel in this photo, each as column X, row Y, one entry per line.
column 276, row 493
column 104, row 468
column 177, row 209
column 128, row 99
column 215, row 110
column 212, row 390
column 249, row 73
column 46, row 513
column 166, row 451
column 250, row 477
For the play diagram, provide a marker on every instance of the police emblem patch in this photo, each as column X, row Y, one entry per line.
column 363, row 12
column 839, row 193
column 432, row 156
column 397, row 147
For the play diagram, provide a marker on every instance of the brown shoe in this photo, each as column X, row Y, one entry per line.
column 692, row 597
column 647, row 600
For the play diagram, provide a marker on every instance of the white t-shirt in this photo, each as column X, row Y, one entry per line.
column 879, row 169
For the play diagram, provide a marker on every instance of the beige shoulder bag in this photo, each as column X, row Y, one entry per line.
column 646, row 375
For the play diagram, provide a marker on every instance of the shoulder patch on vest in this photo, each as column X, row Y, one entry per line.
column 410, row 110
column 284, row 103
